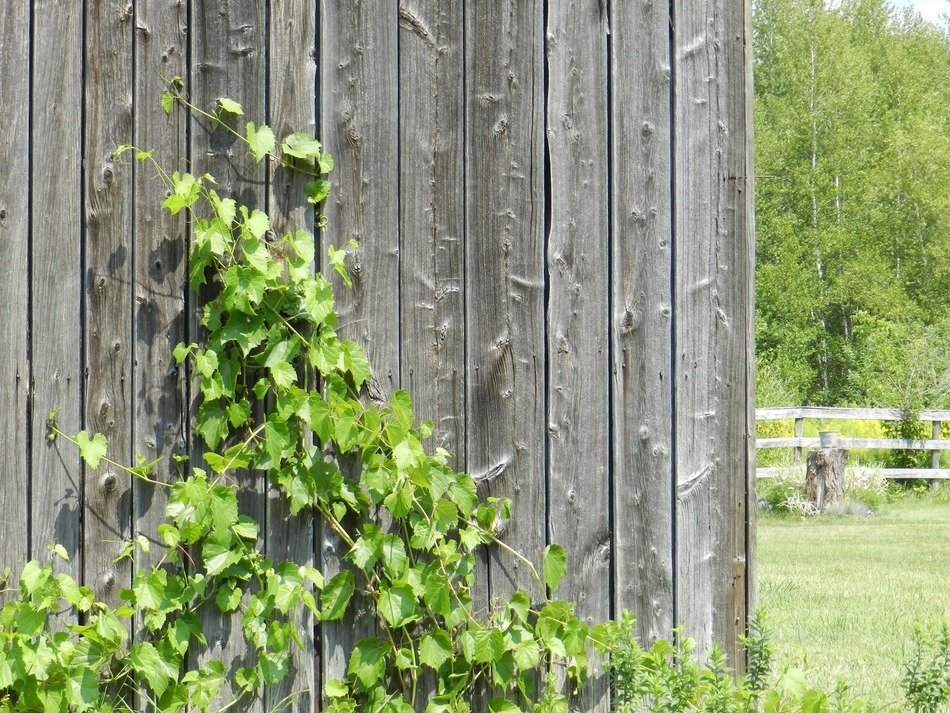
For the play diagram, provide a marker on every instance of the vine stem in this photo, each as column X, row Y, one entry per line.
column 507, row 548
column 134, row 472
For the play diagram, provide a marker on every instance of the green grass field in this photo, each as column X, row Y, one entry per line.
column 842, row 593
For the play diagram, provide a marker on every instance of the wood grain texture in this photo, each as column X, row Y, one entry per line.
column 578, row 255
column 228, row 51
column 359, row 127
column 504, row 277
column 641, row 318
column 57, row 480
column 711, row 284
column 159, row 245
column 108, row 294
column 431, row 216
column 291, row 87
column 14, row 288
column 553, row 201
column 751, row 500
column 432, row 223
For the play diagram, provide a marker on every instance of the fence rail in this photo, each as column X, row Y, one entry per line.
column 936, row 444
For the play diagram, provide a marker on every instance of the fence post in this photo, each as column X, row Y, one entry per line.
column 936, row 434
column 799, row 433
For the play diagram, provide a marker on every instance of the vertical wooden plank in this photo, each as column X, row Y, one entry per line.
column 641, row 319
column 432, row 223
column 228, row 50
column 505, row 383
column 56, row 478
column 108, row 226
column 359, row 126
column 159, row 257
column 14, row 288
column 935, row 434
column 577, row 335
column 799, row 433
column 711, row 307
column 432, row 214
column 751, row 505
column 291, row 69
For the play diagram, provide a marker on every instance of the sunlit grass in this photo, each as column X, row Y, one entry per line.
column 843, row 592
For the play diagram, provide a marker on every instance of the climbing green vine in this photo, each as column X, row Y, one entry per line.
column 281, row 393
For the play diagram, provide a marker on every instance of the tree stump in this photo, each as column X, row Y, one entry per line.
column 824, row 477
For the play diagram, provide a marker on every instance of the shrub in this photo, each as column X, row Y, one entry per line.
column 926, row 681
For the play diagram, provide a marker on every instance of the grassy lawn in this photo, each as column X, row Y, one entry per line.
column 842, row 593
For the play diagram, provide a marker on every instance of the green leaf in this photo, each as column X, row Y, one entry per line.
column 337, row 260
column 256, row 254
column 59, row 551
column 355, row 362
column 149, row 663
column 168, row 103
column 91, row 450
column 317, row 190
column 435, row 648
column 554, row 566
column 204, row 684
column 284, row 374
column 230, row 106
column 182, row 351
column 368, row 661
column 217, row 557
column 367, row 549
column 300, row 145
column 83, row 688
column 247, row 679
column 33, row 577
column 260, row 140
column 438, row 594
column 206, row 362
column 325, row 162
column 228, row 597
column 336, row 595
column 244, row 289
column 501, row 705
column 212, row 423
column 257, row 223
column 397, row 604
column 335, row 688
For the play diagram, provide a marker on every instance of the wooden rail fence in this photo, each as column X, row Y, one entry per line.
column 936, row 444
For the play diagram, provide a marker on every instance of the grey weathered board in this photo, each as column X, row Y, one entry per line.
column 432, row 222
column 505, row 274
column 107, row 287
column 711, row 283
column 56, row 266
column 359, row 125
column 642, row 314
column 15, row 287
column 577, row 322
column 552, row 200
column 159, row 248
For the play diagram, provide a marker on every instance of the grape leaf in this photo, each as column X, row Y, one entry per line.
column 92, row 450
column 260, row 140
column 230, row 106
column 555, row 565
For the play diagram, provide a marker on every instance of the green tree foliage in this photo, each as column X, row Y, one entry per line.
column 852, row 124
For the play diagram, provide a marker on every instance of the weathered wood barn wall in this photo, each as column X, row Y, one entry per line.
column 553, row 199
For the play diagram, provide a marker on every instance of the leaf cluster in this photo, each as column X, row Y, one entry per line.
column 281, row 393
